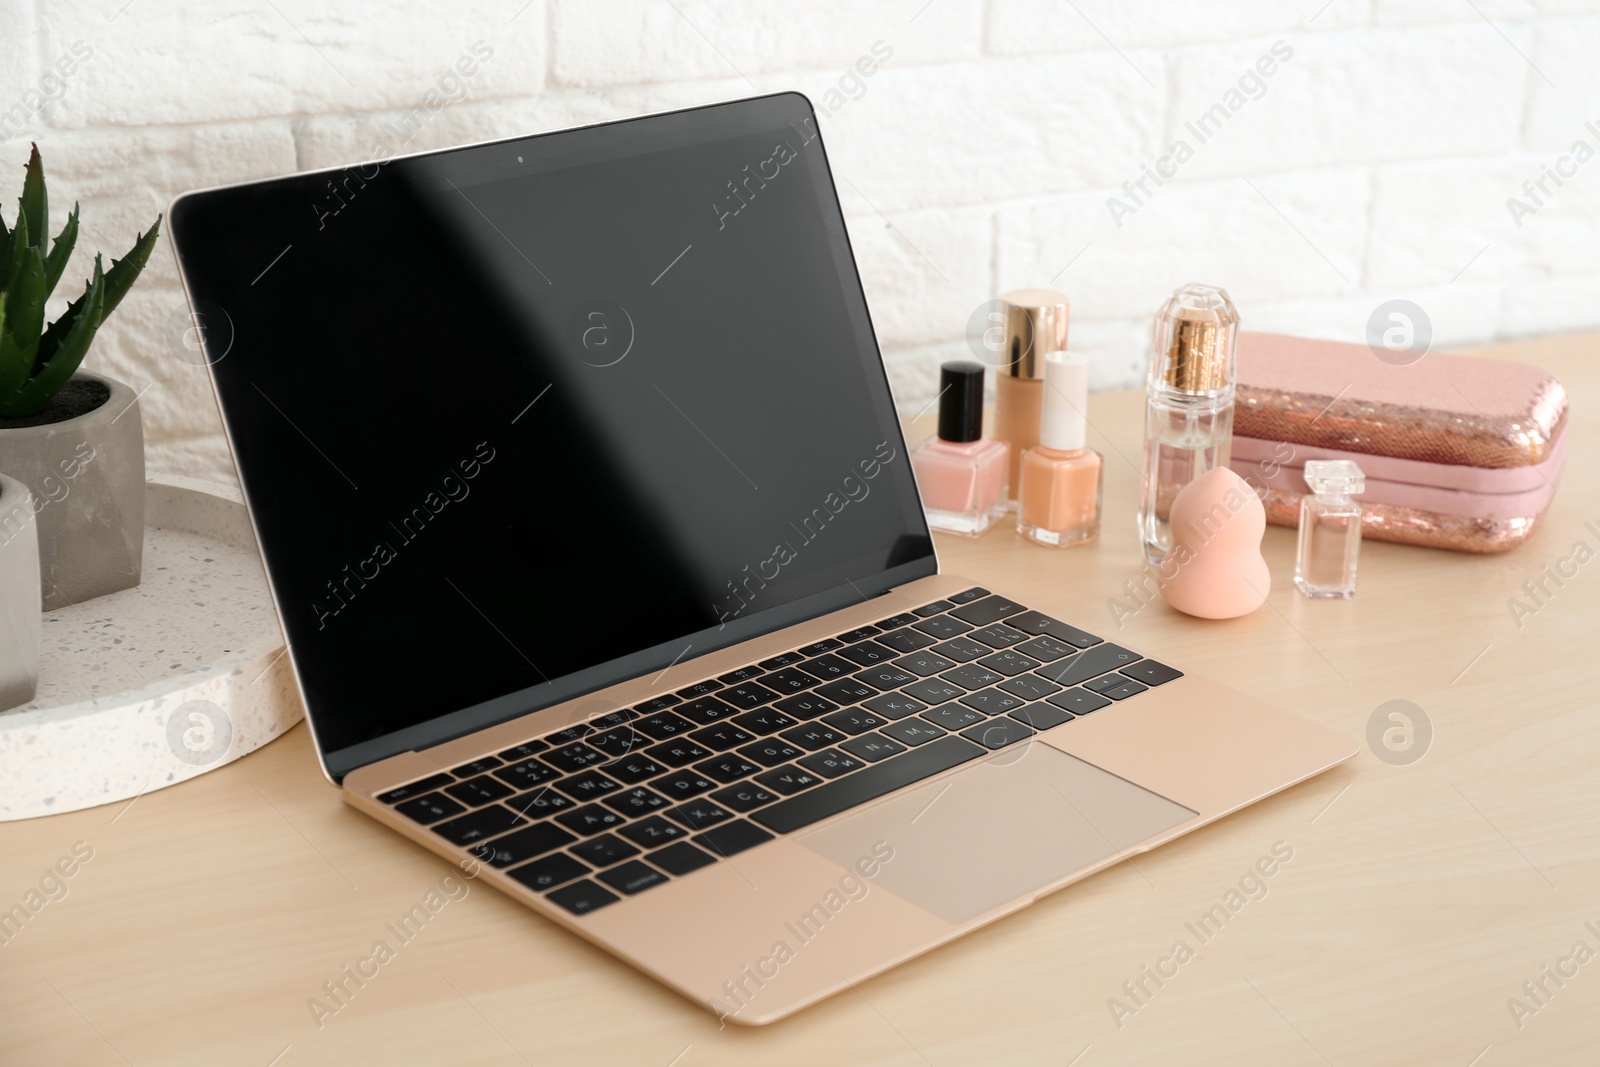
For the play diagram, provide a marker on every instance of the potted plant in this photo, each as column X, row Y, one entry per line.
column 74, row 440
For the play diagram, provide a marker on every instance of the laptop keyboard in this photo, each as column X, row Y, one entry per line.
column 629, row 800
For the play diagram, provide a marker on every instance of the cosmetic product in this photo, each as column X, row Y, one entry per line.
column 961, row 474
column 1188, row 404
column 1059, row 504
column 1330, row 530
column 1215, row 569
column 1458, row 452
column 1035, row 324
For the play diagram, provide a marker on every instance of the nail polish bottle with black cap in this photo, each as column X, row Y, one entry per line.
column 961, row 474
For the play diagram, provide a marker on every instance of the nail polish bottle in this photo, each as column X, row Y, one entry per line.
column 960, row 473
column 1035, row 323
column 1330, row 530
column 1061, row 476
column 1188, row 404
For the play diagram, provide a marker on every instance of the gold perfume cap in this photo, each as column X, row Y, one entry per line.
column 1036, row 324
column 1196, row 333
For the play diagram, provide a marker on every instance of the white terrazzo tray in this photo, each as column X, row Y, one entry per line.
column 154, row 685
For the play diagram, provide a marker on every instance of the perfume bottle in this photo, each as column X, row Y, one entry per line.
column 1061, row 477
column 1035, row 323
column 1330, row 529
column 961, row 474
column 1188, row 406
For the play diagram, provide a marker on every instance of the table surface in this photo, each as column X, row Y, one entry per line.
column 1418, row 900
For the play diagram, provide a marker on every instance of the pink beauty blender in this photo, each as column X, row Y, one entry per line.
column 1215, row 569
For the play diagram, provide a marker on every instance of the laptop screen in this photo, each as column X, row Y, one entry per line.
column 522, row 420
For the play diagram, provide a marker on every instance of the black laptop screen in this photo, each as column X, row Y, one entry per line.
column 522, row 420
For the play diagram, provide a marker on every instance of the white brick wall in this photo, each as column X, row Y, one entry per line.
column 1373, row 162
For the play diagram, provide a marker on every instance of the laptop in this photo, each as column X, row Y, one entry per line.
column 595, row 542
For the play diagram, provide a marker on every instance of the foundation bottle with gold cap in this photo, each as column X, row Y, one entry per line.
column 1035, row 324
column 1188, row 426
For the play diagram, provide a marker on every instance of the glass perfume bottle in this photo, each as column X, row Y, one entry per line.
column 1059, row 502
column 961, row 474
column 1330, row 529
column 1188, row 404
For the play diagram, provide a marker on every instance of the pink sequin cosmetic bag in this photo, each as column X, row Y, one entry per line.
column 1459, row 452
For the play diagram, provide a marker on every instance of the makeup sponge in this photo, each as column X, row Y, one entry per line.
column 1215, row 569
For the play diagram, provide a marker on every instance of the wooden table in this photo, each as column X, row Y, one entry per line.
column 1418, row 901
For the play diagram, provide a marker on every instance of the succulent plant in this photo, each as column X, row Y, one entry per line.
column 37, row 360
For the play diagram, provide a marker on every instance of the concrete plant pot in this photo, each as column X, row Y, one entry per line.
column 82, row 458
column 20, row 620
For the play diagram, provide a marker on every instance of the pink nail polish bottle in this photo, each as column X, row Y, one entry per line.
column 961, row 474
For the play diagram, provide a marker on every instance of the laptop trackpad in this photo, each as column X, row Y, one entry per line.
column 998, row 831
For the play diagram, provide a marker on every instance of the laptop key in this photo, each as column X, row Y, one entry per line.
column 635, row 802
column 831, row 763
column 631, row 770
column 998, row 733
column 886, row 676
column 962, row 649
column 480, row 790
column 971, row 676
column 788, row 681
column 923, row 664
column 788, row 780
column 1041, row 716
column 705, row 710
column 867, row 653
column 663, row 725
column 782, row 659
column 678, row 753
column 846, row 691
column 614, row 719
column 1009, row 663
column 521, row 846
column 589, row 819
column 732, row 838
column 619, row 741
column 541, row 802
column 523, row 751
column 912, row 732
column 943, row 626
column 661, row 703
column 812, row 736
column 653, row 831
column 1045, row 648
column 681, row 785
column 1150, row 672
column 699, row 689
column 747, row 695
column 415, row 789
column 992, row 701
column 699, row 814
column 999, row 635
column 952, row 716
column 587, row 785
column 894, row 705
column 969, row 596
column 1037, row 623
column 1079, row 701
column 771, row 752
column 990, row 609
column 680, row 859
column 743, row 797
column 1125, row 690
column 827, row 644
column 870, row 783
column 1104, row 682
column 573, row 757
column 853, row 720
column 581, row 898
column 729, row 768
column 906, row 640
column 829, row 667
column 570, row 734
column 528, row 774
column 476, row 767
column 806, row 706
column 549, row 872
column 1030, row 687
column 894, row 622
column 632, row 877
column 604, row 850
column 721, row 737
column 932, row 609
column 1092, row 663
column 860, row 633
column 743, row 674
column 429, row 808
column 933, row 691
column 478, row 825
column 872, row 747
column 764, row 721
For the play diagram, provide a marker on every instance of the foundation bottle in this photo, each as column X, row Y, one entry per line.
column 1035, row 323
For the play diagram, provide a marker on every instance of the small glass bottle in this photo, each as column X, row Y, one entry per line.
column 1330, row 529
column 1035, row 324
column 961, row 474
column 1188, row 404
column 1059, row 503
